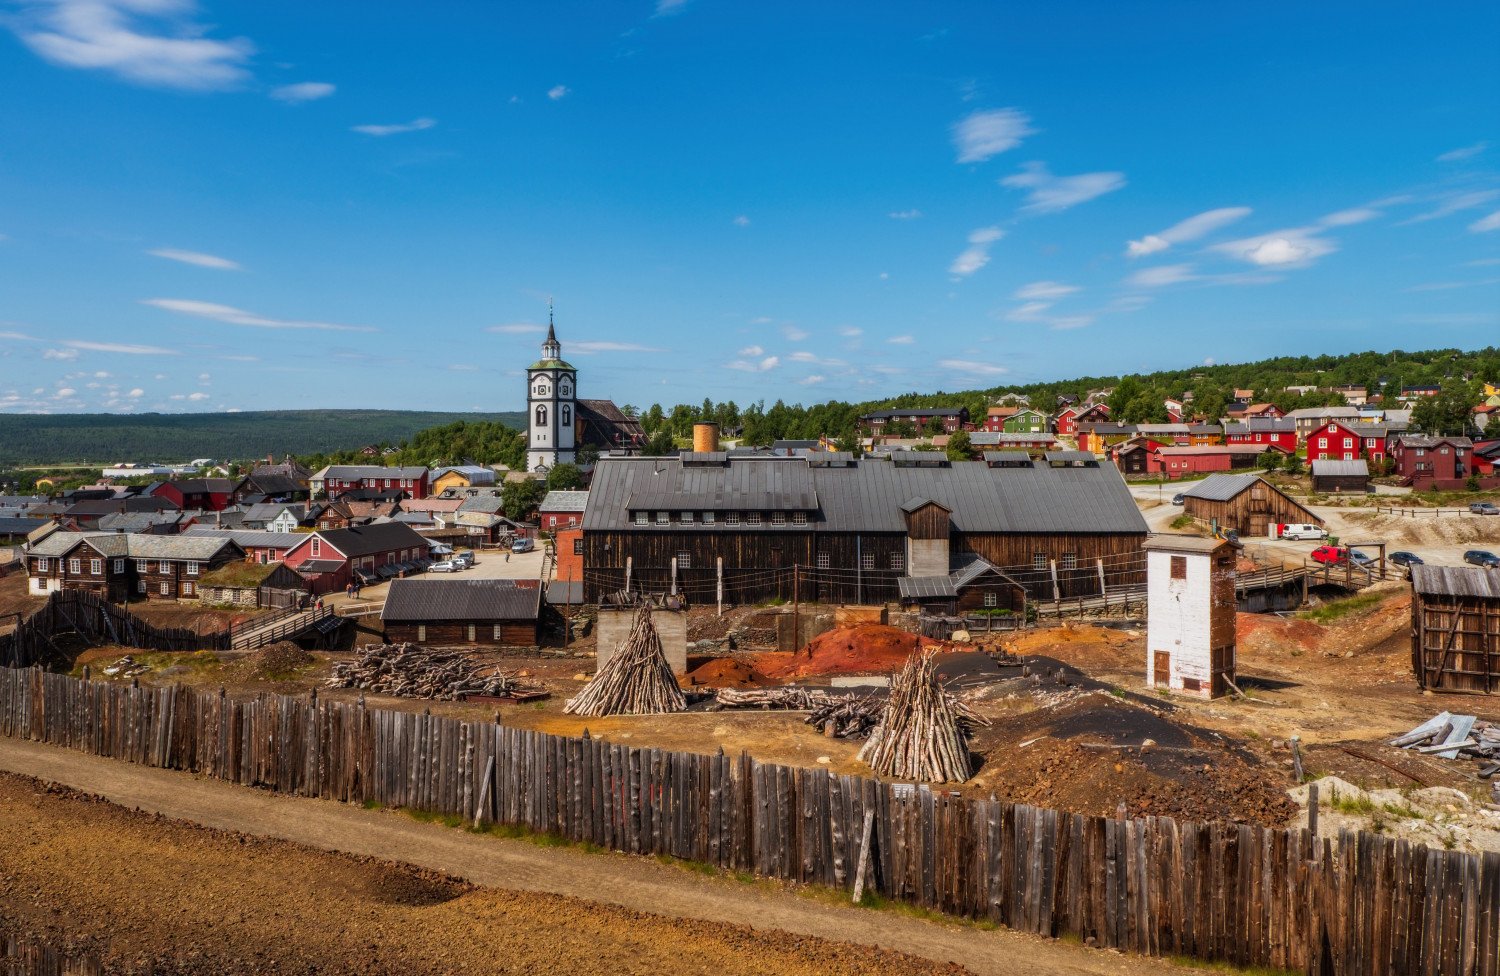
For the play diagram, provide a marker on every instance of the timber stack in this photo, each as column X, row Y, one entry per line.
column 637, row 680
column 922, row 735
column 412, row 671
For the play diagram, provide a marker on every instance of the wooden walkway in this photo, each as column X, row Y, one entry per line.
column 284, row 625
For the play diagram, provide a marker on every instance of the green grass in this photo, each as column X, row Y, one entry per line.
column 1339, row 609
column 1181, row 522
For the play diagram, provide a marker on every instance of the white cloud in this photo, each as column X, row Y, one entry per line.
column 755, row 366
column 558, row 92
column 1292, row 247
column 589, row 347
column 989, row 133
column 812, row 380
column 1455, row 202
column 65, row 392
column 793, row 333
column 742, row 221
column 1167, row 274
column 902, row 340
column 911, row 214
column 1044, row 290
column 1050, row 193
column 197, row 258
column 147, row 42
column 802, row 356
column 415, row 125
column 515, row 328
column 1347, row 218
column 63, row 355
column 1465, row 152
column 302, row 91
column 752, row 351
column 137, row 393
column 120, row 348
column 977, row 254
column 975, row 369
column 665, row 8
column 198, row 396
column 1199, row 225
column 235, row 316
column 850, row 331
column 1484, row 224
column 1030, row 312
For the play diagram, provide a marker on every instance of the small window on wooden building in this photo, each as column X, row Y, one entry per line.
column 686, row 518
column 898, row 561
column 708, row 518
column 992, row 599
column 640, row 518
column 684, row 560
column 1039, row 560
column 75, row 565
column 119, row 565
column 732, row 518
column 753, row 518
column 867, row 560
column 823, row 560
column 472, row 634
column 166, row 588
column 1070, row 560
column 421, row 632
column 140, row 586
column 1179, row 567
column 662, row 518
column 96, row 567
column 497, row 632
column 778, row 518
column 799, row 518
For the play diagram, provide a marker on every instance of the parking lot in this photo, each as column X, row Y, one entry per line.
column 488, row 564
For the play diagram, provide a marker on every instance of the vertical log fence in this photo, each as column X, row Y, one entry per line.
column 1357, row 904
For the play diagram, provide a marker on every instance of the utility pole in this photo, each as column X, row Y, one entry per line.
column 796, row 608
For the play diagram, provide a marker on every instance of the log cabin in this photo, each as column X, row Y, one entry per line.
column 1455, row 628
column 838, row 530
column 1243, row 503
column 453, row 612
column 121, row 567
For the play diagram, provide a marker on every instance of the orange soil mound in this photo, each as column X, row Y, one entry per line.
column 860, row 649
column 726, row 672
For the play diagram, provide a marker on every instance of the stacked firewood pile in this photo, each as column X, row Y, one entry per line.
column 842, row 716
column 923, row 732
column 412, row 671
column 794, row 699
column 637, row 680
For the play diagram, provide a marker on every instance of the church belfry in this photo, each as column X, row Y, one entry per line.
column 551, row 402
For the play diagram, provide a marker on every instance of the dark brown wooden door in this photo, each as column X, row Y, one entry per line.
column 1162, row 669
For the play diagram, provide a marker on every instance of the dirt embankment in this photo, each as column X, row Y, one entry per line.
column 152, row 895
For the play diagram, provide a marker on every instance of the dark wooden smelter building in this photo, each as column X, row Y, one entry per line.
column 451, row 612
column 1245, row 503
column 1455, row 628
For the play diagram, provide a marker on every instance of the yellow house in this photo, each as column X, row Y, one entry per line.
column 1491, row 390
column 462, row 476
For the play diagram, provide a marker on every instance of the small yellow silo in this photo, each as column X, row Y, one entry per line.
column 705, row 437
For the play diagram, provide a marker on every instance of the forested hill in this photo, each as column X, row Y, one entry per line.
column 40, row 439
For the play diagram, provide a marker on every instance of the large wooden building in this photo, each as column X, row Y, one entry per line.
column 833, row 529
column 122, row 567
column 452, row 612
column 1244, row 503
column 1455, row 628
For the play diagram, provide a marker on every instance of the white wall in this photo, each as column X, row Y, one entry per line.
column 1179, row 619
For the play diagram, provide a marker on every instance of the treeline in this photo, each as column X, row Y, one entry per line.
column 459, row 442
column 1137, row 398
column 38, row 439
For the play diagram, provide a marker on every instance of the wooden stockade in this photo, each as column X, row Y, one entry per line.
column 1352, row 905
column 98, row 621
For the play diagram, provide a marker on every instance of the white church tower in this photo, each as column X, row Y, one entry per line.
column 552, row 391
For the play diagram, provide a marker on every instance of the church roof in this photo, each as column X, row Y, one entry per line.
column 552, row 364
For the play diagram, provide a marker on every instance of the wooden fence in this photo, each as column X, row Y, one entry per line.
column 1416, row 512
column 1356, row 904
column 98, row 621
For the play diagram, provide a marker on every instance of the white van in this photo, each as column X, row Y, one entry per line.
column 1303, row 530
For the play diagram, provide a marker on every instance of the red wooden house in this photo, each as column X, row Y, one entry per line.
column 1068, row 420
column 330, row 560
column 200, row 494
column 561, row 509
column 1178, row 462
column 338, row 480
column 1340, row 441
column 1264, row 431
column 1436, row 462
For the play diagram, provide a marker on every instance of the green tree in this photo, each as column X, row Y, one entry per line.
column 1271, row 460
column 1292, row 464
column 959, row 446
column 588, row 456
column 660, row 444
column 521, row 498
column 1493, row 429
column 1450, row 412
column 564, row 477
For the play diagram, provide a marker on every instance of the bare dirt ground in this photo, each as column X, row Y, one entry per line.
column 161, row 895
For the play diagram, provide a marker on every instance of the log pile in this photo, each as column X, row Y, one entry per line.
column 921, row 734
column 1451, row 736
column 795, row 699
column 637, row 680
column 412, row 671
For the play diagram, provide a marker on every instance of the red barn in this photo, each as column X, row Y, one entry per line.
column 330, row 560
column 200, row 494
column 1178, row 462
column 1264, row 432
column 1340, row 441
column 1068, row 420
column 338, row 480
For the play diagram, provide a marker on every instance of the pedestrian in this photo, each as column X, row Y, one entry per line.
column 507, row 555
column 319, row 604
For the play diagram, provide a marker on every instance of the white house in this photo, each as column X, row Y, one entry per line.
column 1190, row 614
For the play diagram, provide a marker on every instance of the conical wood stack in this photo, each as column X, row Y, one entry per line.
column 637, row 680
column 919, row 737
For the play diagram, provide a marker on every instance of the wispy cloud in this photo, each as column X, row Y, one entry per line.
column 911, row 214
column 415, row 125
column 793, row 333
column 586, row 347
column 197, row 258
column 1049, row 193
column 1454, row 202
column 515, row 328
column 665, row 8
column 303, row 91
column 1294, row 247
column 1199, row 225
column 989, row 133
column 1485, row 224
column 1451, row 285
column 61, row 355
column 1462, row 153
column 120, row 348
column 235, row 316
column 147, row 42
column 741, row 221
column 755, row 365
column 1046, row 290
column 558, row 92
column 850, row 331
column 1348, row 218
column 902, row 340
column 972, row 368
column 752, row 351
column 812, row 380
column 1453, row 318
column 1166, row 274
column 977, row 254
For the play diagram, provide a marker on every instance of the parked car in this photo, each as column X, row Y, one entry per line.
column 465, row 559
column 1359, row 559
column 1403, row 558
column 1484, row 508
column 446, row 566
column 1482, row 557
column 523, row 545
column 1177, row 499
column 1328, row 555
column 1303, row 530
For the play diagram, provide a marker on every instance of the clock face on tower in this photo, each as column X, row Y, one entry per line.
column 564, row 390
column 540, row 388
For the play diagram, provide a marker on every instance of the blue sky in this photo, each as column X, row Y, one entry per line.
column 237, row 206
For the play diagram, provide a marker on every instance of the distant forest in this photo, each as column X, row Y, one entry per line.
column 101, row 438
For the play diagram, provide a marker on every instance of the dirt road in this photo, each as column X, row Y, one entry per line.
column 632, row 883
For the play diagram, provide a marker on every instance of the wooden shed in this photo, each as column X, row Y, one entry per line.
column 248, row 584
column 974, row 586
column 1455, row 628
column 1331, row 476
column 1245, row 503
column 450, row 612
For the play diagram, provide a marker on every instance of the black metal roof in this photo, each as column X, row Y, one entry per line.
column 366, row 540
column 460, row 599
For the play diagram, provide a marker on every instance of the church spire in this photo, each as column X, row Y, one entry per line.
column 551, row 349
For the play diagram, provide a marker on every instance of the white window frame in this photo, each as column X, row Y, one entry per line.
column 991, row 599
column 75, row 566
column 315, row 548
column 497, row 632
column 42, row 564
column 166, row 588
column 898, row 562
column 824, row 560
column 684, row 560
column 164, row 566
column 686, row 518
column 799, row 518
column 641, row 518
column 708, row 518
column 192, row 567
column 1039, row 560
column 421, row 633
column 752, row 518
column 778, row 518
column 96, row 566
column 1069, row 560
column 473, row 634
column 140, row 586
column 867, row 560
column 187, row 588
column 732, row 518
column 662, row 518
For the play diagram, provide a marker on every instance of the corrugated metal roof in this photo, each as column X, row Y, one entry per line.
column 1013, row 459
column 1330, row 468
column 346, row 472
column 1168, row 542
column 867, row 496
column 1221, row 487
column 451, row 599
column 747, row 485
column 565, row 501
column 1456, row 581
column 366, row 540
column 926, row 587
column 250, row 537
column 197, row 547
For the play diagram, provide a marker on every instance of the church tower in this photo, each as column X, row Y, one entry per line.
column 551, row 395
